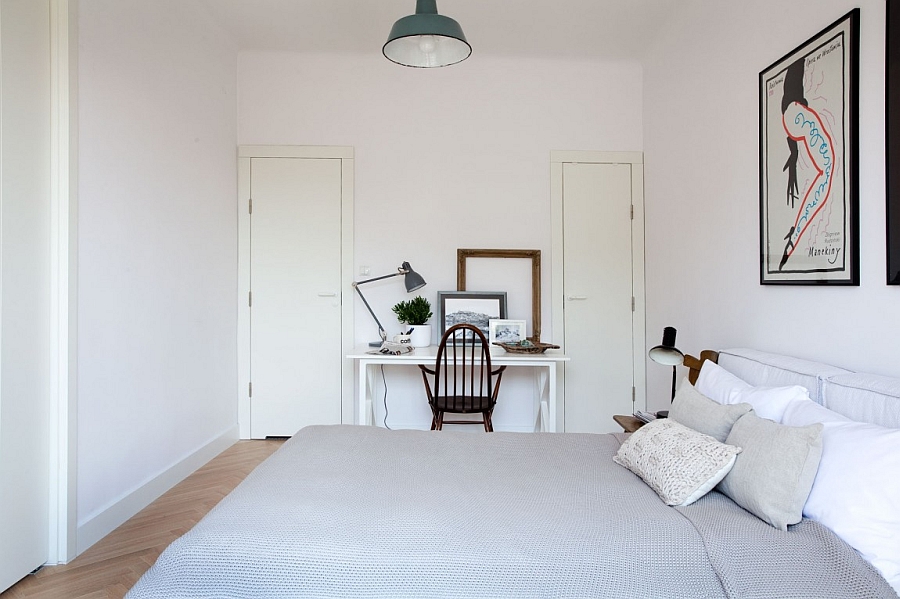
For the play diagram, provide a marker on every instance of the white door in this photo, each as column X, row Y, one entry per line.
column 295, row 285
column 602, row 326
column 24, row 287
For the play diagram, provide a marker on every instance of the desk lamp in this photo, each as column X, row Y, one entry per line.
column 413, row 282
column 667, row 354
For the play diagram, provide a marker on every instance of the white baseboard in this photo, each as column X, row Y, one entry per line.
column 119, row 512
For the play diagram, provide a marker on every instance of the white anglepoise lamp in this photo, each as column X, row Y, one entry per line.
column 413, row 282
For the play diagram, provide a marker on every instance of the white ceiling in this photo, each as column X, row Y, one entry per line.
column 535, row 28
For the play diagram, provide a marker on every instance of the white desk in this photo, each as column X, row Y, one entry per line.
column 545, row 377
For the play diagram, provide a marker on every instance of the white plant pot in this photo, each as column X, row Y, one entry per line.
column 421, row 335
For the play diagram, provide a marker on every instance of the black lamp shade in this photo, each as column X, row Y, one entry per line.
column 666, row 353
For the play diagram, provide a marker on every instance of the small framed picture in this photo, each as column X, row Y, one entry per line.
column 472, row 307
column 506, row 331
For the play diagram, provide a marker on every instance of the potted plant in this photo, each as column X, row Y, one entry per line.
column 416, row 313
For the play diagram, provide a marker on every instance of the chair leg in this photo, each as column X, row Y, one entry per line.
column 488, row 425
column 440, row 421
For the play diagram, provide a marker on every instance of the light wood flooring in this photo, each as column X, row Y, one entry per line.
column 108, row 569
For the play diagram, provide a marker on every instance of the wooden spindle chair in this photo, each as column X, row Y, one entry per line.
column 463, row 380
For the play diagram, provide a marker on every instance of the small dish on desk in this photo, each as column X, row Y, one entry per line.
column 526, row 347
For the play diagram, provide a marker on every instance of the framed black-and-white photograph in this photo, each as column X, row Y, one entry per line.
column 506, row 331
column 809, row 224
column 471, row 307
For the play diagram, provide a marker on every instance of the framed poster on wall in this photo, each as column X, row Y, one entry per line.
column 809, row 226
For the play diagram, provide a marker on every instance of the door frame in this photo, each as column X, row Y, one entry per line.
column 245, row 154
column 63, row 428
column 638, row 322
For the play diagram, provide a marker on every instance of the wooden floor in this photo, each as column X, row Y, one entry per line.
column 108, row 569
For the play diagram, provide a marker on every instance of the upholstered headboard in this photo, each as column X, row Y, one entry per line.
column 858, row 396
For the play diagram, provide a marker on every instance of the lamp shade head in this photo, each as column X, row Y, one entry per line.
column 666, row 353
column 412, row 279
column 426, row 39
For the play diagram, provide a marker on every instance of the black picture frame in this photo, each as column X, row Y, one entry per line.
column 892, row 140
column 809, row 158
column 472, row 307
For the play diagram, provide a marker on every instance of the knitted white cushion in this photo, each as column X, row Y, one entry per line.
column 679, row 463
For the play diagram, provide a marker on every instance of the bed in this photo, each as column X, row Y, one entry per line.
column 355, row 511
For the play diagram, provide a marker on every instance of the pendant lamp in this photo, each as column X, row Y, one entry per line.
column 426, row 39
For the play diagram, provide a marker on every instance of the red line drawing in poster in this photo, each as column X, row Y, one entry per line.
column 804, row 126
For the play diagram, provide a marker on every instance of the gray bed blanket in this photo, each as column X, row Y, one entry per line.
column 354, row 511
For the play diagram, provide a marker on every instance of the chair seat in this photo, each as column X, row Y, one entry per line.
column 462, row 404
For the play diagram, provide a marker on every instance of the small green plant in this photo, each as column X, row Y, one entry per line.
column 416, row 311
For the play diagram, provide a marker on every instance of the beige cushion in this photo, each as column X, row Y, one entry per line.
column 679, row 463
column 696, row 411
column 774, row 474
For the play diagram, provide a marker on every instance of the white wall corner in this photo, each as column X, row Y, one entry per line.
column 114, row 515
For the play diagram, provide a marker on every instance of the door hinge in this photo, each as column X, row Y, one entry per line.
column 250, row 206
column 633, row 395
column 632, row 212
column 250, row 389
column 250, row 299
column 632, row 303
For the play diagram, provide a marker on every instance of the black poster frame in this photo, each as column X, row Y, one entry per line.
column 892, row 140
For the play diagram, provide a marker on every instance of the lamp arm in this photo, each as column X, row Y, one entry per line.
column 381, row 331
column 400, row 271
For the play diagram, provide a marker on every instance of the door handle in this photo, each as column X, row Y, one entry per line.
column 573, row 298
column 326, row 294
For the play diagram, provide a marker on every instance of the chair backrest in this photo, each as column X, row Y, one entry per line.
column 462, row 372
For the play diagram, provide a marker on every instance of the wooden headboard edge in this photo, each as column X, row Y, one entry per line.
column 694, row 364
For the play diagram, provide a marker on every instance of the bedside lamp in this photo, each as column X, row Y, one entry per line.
column 413, row 282
column 667, row 354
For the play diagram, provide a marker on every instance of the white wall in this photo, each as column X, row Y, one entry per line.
column 447, row 158
column 701, row 157
column 157, row 257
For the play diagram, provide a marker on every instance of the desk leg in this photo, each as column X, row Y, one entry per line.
column 362, row 381
column 551, row 393
column 545, row 382
column 365, row 394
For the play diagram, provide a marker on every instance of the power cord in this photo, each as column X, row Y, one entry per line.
column 384, row 401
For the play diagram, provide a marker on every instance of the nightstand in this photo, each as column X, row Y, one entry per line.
column 628, row 423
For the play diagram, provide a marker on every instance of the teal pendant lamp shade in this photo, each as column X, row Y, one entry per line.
column 426, row 39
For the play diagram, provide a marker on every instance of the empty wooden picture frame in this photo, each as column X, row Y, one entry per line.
column 462, row 255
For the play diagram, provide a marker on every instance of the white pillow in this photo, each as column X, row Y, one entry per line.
column 805, row 411
column 720, row 385
column 856, row 492
column 679, row 463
